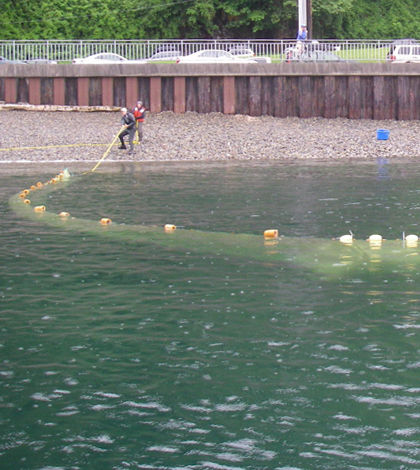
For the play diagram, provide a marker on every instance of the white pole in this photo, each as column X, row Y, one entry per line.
column 302, row 13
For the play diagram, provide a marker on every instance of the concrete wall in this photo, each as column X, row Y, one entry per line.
column 350, row 90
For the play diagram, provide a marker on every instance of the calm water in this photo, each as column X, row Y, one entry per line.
column 135, row 355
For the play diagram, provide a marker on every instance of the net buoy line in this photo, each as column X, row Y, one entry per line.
column 332, row 258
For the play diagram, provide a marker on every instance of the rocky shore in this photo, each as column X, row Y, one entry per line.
column 47, row 136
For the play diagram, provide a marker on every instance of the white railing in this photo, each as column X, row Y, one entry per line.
column 64, row 51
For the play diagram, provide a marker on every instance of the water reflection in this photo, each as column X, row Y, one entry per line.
column 383, row 168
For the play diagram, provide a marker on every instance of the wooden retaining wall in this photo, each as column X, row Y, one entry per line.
column 354, row 91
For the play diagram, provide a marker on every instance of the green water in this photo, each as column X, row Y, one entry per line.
column 125, row 354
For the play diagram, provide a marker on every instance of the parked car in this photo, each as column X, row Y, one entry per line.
column 166, row 48
column 107, row 58
column 403, row 42
column 301, row 53
column 241, row 51
column 3, row 60
column 402, row 51
column 313, row 44
column 262, row 60
column 293, row 52
column 41, row 61
column 165, row 55
column 213, row 56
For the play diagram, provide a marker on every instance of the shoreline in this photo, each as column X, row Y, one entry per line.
column 83, row 137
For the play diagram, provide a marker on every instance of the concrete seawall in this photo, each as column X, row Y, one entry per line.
column 348, row 90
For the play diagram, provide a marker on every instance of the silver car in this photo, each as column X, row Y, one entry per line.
column 213, row 56
column 165, row 55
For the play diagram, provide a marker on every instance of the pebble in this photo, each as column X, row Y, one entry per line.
column 34, row 136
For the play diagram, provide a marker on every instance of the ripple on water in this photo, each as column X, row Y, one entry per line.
column 148, row 406
column 388, row 456
column 104, row 321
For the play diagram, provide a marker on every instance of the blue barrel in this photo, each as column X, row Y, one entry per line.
column 382, row 134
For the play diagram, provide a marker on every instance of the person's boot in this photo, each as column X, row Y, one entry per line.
column 122, row 147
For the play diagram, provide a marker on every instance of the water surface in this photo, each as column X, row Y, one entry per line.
column 124, row 355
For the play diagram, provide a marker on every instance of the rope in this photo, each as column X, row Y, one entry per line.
column 108, row 149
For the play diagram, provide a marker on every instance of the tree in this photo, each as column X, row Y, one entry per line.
column 205, row 19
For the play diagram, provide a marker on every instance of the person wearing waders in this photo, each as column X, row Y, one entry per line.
column 129, row 123
column 139, row 115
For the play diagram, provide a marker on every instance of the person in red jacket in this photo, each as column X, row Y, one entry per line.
column 139, row 115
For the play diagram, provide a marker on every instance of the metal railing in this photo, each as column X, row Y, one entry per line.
column 65, row 51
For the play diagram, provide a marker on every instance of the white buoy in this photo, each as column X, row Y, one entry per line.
column 348, row 239
column 375, row 242
column 65, row 174
column 411, row 241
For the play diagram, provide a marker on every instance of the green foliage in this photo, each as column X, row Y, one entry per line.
column 177, row 19
column 382, row 19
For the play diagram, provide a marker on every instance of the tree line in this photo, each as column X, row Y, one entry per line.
column 206, row 19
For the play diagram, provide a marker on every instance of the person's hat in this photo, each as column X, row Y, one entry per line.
column 303, row 26
column 123, row 109
column 139, row 102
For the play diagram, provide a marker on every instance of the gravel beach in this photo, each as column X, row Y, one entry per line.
column 45, row 136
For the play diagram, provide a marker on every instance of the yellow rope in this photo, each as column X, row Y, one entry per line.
column 108, row 149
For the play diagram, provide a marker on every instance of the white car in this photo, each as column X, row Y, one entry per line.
column 212, row 56
column 404, row 53
column 107, row 58
column 240, row 51
column 165, row 55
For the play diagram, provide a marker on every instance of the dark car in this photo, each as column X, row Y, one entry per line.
column 323, row 56
column 314, row 55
